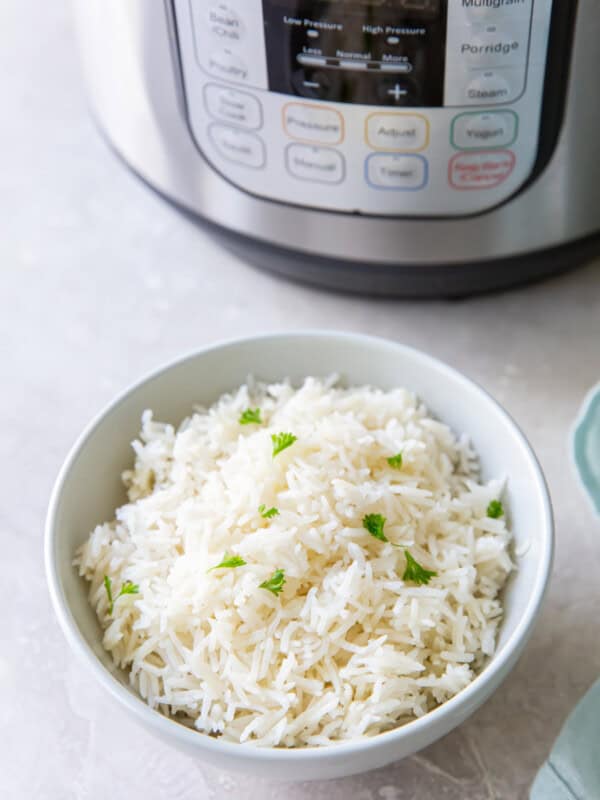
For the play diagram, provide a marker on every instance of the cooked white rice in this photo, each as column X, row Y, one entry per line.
column 348, row 649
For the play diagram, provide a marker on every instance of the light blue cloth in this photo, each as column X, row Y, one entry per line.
column 586, row 446
column 572, row 772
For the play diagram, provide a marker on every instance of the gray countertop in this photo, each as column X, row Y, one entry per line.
column 101, row 281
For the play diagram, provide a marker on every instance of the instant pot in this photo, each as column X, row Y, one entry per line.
column 387, row 146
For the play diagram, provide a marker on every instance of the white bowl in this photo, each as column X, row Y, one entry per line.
column 88, row 490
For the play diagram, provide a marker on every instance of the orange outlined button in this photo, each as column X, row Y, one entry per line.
column 307, row 122
column 397, row 132
column 482, row 170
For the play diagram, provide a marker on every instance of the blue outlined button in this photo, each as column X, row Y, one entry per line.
column 396, row 172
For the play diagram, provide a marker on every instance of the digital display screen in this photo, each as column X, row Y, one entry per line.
column 373, row 52
column 410, row 5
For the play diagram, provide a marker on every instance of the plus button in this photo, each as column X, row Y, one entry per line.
column 397, row 92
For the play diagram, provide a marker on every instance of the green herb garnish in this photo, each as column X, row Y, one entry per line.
column 108, row 587
column 495, row 510
column 127, row 588
column 281, row 441
column 415, row 572
column 374, row 523
column 251, row 416
column 267, row 513
column 275, row 582
column 395, row 461
column 229, row 562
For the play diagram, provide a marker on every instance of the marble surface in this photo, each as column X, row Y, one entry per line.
column 101, row 282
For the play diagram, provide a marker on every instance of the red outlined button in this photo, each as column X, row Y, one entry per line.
column 482, row 170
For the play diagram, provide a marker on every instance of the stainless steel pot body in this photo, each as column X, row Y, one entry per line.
column 135, row 71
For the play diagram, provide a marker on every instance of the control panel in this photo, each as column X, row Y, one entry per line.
column 384, row 107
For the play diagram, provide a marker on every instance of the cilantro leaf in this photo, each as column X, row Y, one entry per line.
column 251, row 416
column 374, row 524
column 268, row 513
column 127, row 588
column 109, row 594
column 495, row 510
column 281, row 441
column 275, row 583
column 395, row 461
column 229, row 562
column 415, row 572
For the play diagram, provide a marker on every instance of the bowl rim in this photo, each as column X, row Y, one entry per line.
column 472, row 694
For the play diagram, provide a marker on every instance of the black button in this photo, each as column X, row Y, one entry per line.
column 395, row 91
column 318, row 84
